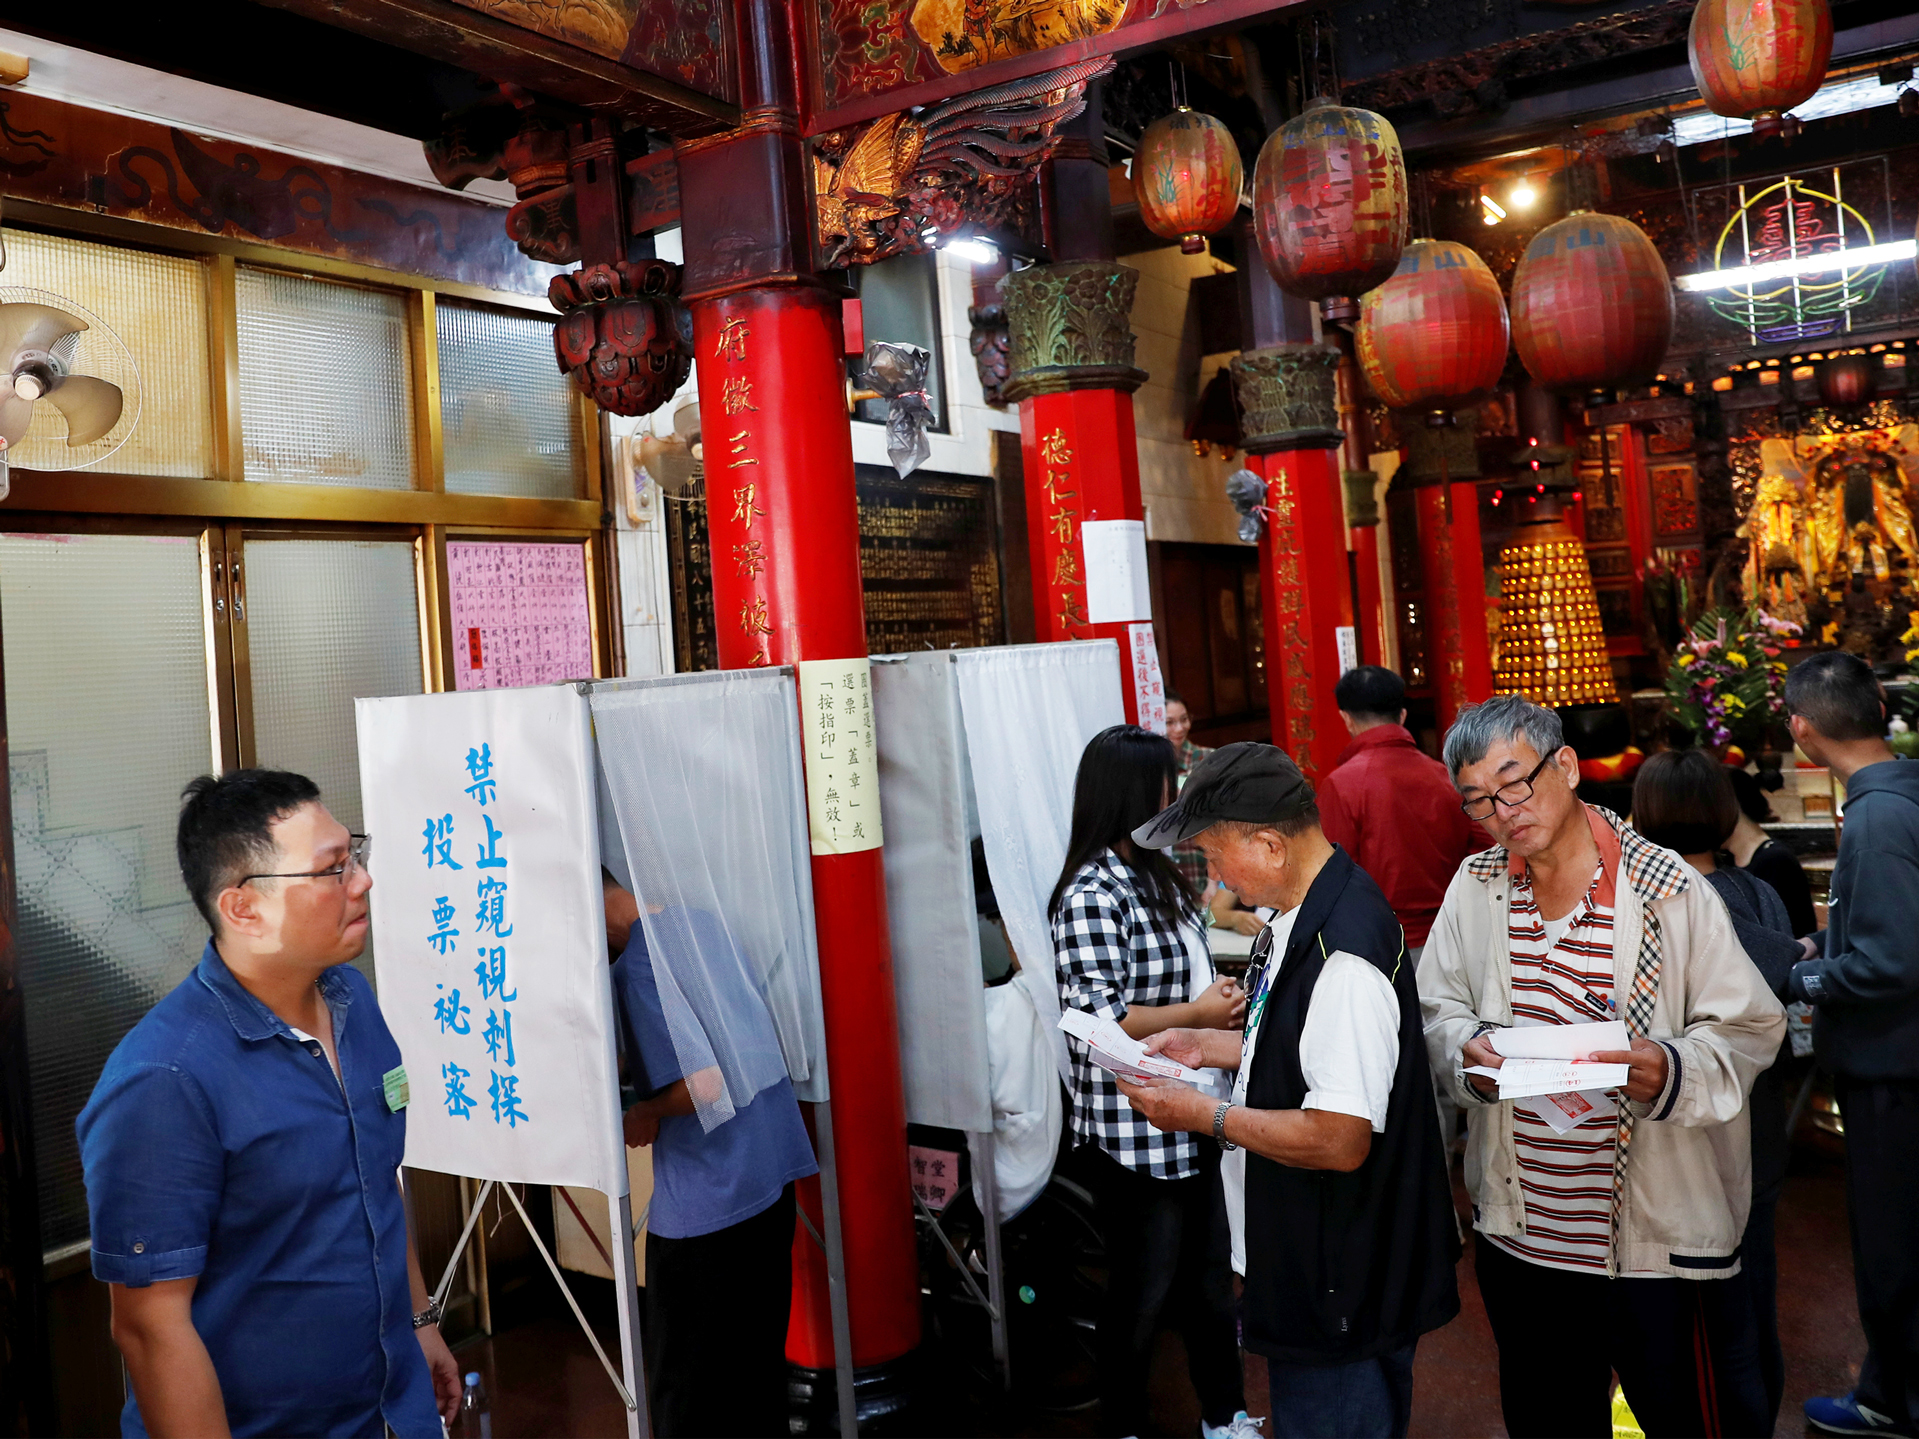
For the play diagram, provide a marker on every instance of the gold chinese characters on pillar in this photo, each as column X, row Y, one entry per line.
column 1551, row 647
column 736, row 477
column 842, row 770
column 1067, row 578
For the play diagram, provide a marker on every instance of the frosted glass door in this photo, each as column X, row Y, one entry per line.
column 108, row 716
column 328, row 622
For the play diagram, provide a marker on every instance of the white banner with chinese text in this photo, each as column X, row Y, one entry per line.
column 490, row 932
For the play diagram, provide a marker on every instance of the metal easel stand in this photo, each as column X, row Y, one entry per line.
column 833, row 1243
column 633, row 1382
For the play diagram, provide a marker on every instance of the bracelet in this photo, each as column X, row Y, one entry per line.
column 1219, row 1125
column 429, row 1315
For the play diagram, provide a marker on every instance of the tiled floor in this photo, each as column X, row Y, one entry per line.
column 545, row 1380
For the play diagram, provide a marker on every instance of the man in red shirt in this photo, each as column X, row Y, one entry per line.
column 1391, row 806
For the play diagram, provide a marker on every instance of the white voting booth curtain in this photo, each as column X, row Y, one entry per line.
column 707, row 825
column 983, row 1060
column 925, row 812
column 1029, row 711
column 490, row 933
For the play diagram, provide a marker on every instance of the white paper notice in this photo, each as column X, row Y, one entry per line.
column 1348, row 640
column 1561, row 1041
column 842, row 772
column 1116, row 588
column 1149, row 690
column 1116, row 1051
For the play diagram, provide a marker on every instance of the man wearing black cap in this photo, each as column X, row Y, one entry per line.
column 1344, row 1231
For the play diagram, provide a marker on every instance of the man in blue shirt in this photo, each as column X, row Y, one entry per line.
column 242, row 1152
column 719, row 1231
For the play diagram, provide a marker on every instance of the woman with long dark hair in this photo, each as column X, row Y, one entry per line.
column 1131, row 947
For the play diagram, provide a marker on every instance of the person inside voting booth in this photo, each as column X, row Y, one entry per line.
column 711, row 1094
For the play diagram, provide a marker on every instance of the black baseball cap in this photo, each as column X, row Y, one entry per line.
column 1253, row 782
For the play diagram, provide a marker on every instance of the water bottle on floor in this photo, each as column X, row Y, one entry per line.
column 476, row 1418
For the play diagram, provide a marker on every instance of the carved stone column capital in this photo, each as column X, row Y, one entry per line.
column 1362, row 503
column 1437, row 453
column 1288, row 397
column 1068, row 328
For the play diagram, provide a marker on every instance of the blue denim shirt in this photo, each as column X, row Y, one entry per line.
column 219, row 1145
column 705, row 1182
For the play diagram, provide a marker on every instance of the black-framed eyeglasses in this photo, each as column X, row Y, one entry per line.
column 1511, row 795
column 358, row 848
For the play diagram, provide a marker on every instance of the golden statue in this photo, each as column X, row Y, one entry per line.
column 1859, row 516
column 1780, row 566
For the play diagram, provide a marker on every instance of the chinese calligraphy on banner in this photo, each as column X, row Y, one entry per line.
column 490, row 935
column 842, row 773
column 521, row 614
column 1149, row 690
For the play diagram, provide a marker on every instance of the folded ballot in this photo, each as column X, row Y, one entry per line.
column 1561, row 1041
column 1525, row 1078
column 1113, row 1049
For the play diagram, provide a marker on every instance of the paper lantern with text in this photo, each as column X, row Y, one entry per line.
column 1187, row 176
column 1756, row 59
column 1433, row 337
column 1592, row 305
column 1329, row 205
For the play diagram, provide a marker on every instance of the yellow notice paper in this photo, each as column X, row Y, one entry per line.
column 842, row 771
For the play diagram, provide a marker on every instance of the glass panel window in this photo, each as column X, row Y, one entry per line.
column 107, row 718
column 507, row 412
column 900, row 303
column 326, row 396
column 328, row 622
column 157, row 305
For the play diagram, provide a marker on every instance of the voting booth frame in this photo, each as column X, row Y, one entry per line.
column 522, row 795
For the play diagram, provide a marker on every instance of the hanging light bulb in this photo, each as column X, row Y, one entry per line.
column 1523, row 195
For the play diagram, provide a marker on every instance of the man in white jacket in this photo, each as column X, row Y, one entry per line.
column 1607, row 1223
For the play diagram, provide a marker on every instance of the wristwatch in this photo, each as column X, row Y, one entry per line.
column 1219, row 1125
column 429, row 1315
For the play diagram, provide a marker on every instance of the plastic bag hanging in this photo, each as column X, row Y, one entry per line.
column 898, row 373
column 1247, row 491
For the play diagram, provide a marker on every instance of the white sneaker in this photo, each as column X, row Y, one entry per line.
column 1244, row 1426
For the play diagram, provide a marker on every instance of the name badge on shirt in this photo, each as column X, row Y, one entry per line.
column 397, row 1093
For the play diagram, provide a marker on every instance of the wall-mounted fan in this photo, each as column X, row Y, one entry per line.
column 69, row 388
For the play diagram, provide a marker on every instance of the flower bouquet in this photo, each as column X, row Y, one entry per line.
column 1727, row 682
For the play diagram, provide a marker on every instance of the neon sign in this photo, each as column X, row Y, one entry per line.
column 1809, row 258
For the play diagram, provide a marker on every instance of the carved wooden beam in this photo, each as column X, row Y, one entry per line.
column 500, row 50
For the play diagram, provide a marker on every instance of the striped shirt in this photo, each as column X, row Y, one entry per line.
column 1566, row 1180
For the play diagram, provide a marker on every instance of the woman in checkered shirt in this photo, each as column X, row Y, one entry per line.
column 1130, row 943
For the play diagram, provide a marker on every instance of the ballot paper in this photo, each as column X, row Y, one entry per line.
column 1561, row 1041
column 1113, row 1049
column 1524, row 1078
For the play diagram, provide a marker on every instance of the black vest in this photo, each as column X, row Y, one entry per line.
column 1344, row 1267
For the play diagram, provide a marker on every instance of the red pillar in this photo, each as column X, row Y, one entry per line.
column 784, row 527
column 1459, row 654
column 1306, row 591
column 1290, row 427
column 1372, row 616
column 1080, row 456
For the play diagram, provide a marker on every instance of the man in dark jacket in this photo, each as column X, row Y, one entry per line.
column 1864, row 982
column 1344, row 1227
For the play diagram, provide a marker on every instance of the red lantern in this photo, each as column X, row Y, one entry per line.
column 1847, row 380
column 1329, row 205
column 1592, row 305
column 1187, row 176
column 1433, row 337
column 1756, row 59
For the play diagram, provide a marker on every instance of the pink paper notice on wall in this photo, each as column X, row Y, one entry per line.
column 521, row 615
